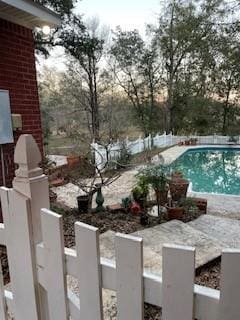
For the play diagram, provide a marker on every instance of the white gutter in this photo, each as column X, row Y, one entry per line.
column 43, row 15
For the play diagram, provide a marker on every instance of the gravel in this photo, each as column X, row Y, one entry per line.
column 209, row 275
column 4, row 264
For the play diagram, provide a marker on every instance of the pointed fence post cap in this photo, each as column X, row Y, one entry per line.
column 27, row 155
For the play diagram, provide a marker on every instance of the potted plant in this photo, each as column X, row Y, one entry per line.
column 156, row 178
column 159, row 183
column 189, row 205
column 90, row 184
column 126, row 203
column 84, row 203
column 233, row 139
column 140, row 192
column 73, row 160
column 193, row 141
column 177, row 174
column 178, row 188
column 175, row 210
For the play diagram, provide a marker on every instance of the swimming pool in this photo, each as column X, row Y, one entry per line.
column 211, row 170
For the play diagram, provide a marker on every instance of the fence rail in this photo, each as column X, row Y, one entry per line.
column 39, row 264
column 113, row 151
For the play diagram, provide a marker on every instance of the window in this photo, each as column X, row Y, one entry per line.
column 6, row 132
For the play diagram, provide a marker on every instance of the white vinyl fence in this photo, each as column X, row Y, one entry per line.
column 114, row 150
column 39, row 264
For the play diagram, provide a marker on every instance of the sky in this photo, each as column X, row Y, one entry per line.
column 128, row 14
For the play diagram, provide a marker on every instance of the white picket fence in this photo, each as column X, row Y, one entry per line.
column 39, row 264
column 113, row 151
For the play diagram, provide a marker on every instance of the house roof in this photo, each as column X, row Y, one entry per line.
column 28, row 14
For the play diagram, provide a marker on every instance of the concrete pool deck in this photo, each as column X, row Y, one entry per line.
column 218, row 204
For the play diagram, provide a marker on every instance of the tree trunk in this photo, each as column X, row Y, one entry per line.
column 169, row 116
column 224, row 127
column 96, row 106
column 169, row 123
column 93, row 99
column 225, row 113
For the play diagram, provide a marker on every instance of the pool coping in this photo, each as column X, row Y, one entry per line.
column 170, row 155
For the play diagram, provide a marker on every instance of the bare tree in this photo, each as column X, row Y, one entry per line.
column 87, row 48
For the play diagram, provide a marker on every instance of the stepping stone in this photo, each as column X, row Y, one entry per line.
column 223, row 229
column 173, row 232
column 107, row 245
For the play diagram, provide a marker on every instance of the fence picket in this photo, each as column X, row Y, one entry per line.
column 230, row 283
column 18, row 231
column 3, row 305
column 89, row 274
column 129, row 277
column 178, row 282
column 54, row 268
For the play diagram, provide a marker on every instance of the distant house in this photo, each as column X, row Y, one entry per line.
column 19, row 102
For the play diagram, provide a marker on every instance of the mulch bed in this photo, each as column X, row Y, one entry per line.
column 104, row 221
column 116, row 221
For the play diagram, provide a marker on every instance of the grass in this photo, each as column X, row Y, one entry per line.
column 65, row 146
column 145, row 156
column 59, row 141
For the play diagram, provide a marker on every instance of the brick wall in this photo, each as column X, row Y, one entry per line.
column 18, row 75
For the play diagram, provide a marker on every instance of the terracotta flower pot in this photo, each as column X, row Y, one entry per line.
column 193, row 142
column 57, row 182
column 73, row 161
column 175, row 213
column 178, row 188
column 162, row 197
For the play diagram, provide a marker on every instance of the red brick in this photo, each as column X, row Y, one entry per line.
column 18, row 75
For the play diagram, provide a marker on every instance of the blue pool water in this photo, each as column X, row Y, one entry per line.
column 211, row 170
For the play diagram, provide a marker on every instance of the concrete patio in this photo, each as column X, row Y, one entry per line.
column 220, row 205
